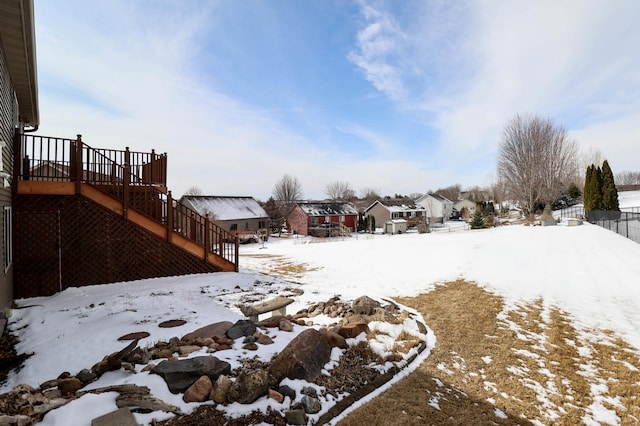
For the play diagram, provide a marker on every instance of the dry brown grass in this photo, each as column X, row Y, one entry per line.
column 281, row 266
column 527, row 360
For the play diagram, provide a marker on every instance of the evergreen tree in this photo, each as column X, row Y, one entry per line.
column 574, row 192
column 587, row 197
column 478, row 221
column 609, row 190
column 362, row 223
column 596, row 188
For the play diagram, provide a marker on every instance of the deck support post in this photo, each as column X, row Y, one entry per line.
column 125, row 189
column 169, row 216
column 77, row 169
column 207, row 243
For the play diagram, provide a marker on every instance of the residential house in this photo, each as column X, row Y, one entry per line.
column 395, row 208
column 240, row 215
column 467, row 208
column 18, row 113
column 438, row 208
column 323, row 218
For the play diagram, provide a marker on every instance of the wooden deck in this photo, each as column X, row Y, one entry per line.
column 135, row 191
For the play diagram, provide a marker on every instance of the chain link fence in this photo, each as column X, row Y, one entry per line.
column 625, row 223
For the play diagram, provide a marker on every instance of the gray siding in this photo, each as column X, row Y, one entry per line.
column 7, row 126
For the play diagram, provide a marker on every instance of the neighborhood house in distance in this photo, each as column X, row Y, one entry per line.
column 240, row 215
column 323, row 218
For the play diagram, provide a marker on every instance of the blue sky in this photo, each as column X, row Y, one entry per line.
column 398, row 96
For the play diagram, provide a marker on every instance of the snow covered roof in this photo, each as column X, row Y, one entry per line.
column 225, row 208
column 437, row 197
column 327, row 208
column 397, row 205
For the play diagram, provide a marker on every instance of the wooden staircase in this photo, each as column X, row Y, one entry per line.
column 127, row 191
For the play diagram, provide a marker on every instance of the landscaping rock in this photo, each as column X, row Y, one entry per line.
column 121, row 417
column 296, row 417
column 221, row 389
column 85, row 376
column 216, row 329
column 276, row 396
column 287, row 391
column 271, row 322
column 263, row 339
column 188, row 349
column 285, row 325
column 172, row 323
column 249, row 386
column 364, row 305
column 351, row 330
column 241, row 328
column 303, row 358
column 199, row 391
column 335, row 340
column 181, row 374
column 69, row 386
column 134, row 336
column 310, row 404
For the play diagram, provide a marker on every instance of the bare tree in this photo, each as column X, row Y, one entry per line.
column 589, row 157
column 287, row 191
column 451, row 192
column 477, row 194
column 370, row 195
column 536, row 160
column 193, row 190
column 339, row 190
column 628, row 178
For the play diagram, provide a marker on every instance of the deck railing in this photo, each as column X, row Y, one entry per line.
column 59, row 159
column 137, row 179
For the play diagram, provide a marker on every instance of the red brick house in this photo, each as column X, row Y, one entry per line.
column 323, row 218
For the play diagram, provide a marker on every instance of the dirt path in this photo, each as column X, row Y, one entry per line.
column 498, row 364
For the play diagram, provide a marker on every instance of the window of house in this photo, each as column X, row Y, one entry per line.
column 314, row 221
column 233, row 227
column 341, row 219
column 262, row 224
column 327, row 219
column 8, row 238
column 246, row 225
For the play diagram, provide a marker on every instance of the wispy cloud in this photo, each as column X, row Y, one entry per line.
column 377, row 52
column 447, row 76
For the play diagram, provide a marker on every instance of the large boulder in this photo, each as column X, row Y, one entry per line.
column 181, row 374
column 303, row 358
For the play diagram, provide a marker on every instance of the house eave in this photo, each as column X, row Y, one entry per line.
column 17, row 35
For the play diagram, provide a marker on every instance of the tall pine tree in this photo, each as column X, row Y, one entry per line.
column 609, row 190
column 587, row 196
column 596, row 188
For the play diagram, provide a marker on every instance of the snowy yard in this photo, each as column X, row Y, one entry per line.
column 585, row 271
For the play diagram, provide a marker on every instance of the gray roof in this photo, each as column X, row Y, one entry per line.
column 327, row 208
column 441, row 198
column 225, row 208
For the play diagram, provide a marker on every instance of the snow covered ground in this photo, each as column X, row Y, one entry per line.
column 591, row 273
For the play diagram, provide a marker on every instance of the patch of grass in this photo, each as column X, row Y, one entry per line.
column 528, row 360
column 282, row 266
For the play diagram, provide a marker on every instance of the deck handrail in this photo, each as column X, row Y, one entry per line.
column 136, row 179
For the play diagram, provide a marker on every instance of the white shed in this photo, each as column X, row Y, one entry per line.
column 395, row 226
